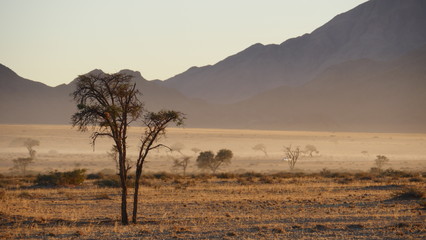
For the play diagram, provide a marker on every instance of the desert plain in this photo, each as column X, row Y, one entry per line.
column 331, row 195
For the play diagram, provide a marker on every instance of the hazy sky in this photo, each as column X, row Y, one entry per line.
column 53, row 41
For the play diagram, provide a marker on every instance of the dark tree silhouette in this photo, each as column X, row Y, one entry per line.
column 381, row 160
column 108, row 103
column 207, row 160
column 292, row 155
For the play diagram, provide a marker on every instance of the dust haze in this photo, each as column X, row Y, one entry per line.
column 63, row 148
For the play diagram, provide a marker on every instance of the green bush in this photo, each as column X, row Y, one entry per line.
column 56, row 178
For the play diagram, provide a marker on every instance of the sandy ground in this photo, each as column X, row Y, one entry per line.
column 63, row 148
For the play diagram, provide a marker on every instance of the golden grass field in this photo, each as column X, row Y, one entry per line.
column 351, row 205
column 212, row 208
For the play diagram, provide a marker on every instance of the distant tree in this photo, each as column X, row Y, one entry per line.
column 207, row 160
column 181, row 162
column 310, row 149
column 291, row 155
column 195, row 150
column 21, row 164
column 28, row 143
column 177, row 147
column 260, row 147
column 381, row 161
column 365, row 153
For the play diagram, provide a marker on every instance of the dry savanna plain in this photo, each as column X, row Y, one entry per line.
column 330, row 195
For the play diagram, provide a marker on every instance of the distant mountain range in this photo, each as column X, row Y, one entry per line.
column 365, row 70
column 377, row 30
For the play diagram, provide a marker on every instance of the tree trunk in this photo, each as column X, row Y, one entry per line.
column 124, row 217
column 136, row 195
column 123, row 179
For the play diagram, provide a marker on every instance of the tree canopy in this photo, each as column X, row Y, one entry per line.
column 207, row 160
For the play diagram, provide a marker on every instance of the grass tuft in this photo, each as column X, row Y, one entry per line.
column 408, row 194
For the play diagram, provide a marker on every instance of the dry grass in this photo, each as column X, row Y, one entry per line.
column 335, row 198
column 264, row 207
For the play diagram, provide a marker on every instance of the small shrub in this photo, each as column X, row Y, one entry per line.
column 364, row 176
column 146, row 182
column 409, row 193
column 56, row 178
column 375, row 170
column 286, row 174
column 266, row 179
column 415, row 179
column 202, row 176
column 380, row 161
column 51, row 179
column 92, row 176
column 161, row 175
column 226, row 175
column 75, row 177
column 396, row 173
column 344, row 180
column 251, row 175
column 102, row 196
column 108, row 171
column 25, row 195
column 111, row 183
column 329, row 174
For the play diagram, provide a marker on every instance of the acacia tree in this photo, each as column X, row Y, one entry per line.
column 310, row 149
column 109, row 103
column 291, row 155
column 195, row 150
column 177, row 147
column 181, row 162
column 21, row 164
column 380, row 161
column 207, row 160
column 156, row 124
column 260, row 147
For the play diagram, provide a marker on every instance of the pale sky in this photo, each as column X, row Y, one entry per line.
column 54, row 41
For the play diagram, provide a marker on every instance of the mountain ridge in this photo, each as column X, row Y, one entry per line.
column 296, row 61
